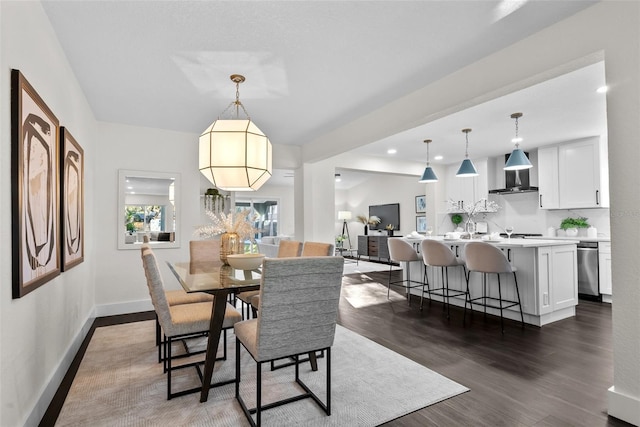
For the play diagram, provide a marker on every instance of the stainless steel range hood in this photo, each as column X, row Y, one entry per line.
column 515, row 181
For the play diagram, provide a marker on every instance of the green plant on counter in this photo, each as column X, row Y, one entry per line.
column 456, row 219
column 580, row 222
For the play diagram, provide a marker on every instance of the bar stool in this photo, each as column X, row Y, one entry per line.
column 402, row 251
column 437, row 254
column 485, row 258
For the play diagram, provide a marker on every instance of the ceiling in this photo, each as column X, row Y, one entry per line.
column 312, row 66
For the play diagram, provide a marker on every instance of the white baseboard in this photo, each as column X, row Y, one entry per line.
column 58, row 374
column 123, row 308
column 624, row 407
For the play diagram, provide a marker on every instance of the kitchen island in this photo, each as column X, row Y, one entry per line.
column 547, row 278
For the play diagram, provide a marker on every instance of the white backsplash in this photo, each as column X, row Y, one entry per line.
column 521, row 211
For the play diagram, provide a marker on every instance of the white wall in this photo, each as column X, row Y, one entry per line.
column 120, row 281
column 380, row 189
column 42, row 329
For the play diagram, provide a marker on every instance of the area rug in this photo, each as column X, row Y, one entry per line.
column 120, row 383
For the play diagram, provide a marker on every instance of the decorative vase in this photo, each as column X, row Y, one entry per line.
column 470, row 227
column 366, row 229
column 390, row 233
column 230, row 243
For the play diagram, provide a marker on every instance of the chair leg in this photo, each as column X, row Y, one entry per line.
column 518, row 295
column 425, row 280
column 407, row 282
column 328, row 381
column 389, row 284
column 259, row 391
column 446, row 272
column 237, row 368
column 467, row 296
column 167, row 355
column 500, row 301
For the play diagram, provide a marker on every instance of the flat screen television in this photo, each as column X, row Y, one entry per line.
column 388, row 214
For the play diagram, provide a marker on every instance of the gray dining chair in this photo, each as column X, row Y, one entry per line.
column 437, row 254
column 298, row 312
column 180, row 322
column 402, row 251
column 250, row 299
column 485, row 258
column 175, row 297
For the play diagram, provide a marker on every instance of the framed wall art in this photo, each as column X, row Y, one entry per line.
column 35, row 197
column 72, row 200
column 421, row 224
column 421, row 204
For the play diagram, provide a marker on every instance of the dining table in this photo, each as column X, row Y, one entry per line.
column 219, row 280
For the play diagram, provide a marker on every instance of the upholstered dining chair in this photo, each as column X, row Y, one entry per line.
column 402, row 251
column 180, row 322
column 485, row 258
column 308, row 249
column 437, row 254
column 175, row 297
column 299, row 300
column 286, row 249
column 317, row 249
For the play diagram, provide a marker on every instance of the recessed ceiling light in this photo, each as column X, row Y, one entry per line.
column 392, row 151
column 438, row 158
column 602, row 89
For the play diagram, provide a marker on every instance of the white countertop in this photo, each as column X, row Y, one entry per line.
column 513, row 243
column 575, row 239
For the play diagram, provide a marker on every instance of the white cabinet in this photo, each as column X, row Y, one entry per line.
column 467, row 190
column 548, row 178
column 604, row 269
column 573, row 175
column 581, row 171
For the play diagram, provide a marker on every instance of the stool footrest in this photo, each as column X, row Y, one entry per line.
column 444, row 292
column 502, row 302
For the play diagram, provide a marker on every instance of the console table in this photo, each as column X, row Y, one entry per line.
column 373, row 247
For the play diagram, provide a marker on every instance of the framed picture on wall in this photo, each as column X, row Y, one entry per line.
column 72, row 197
column 421, row 204
column 35, row 197
column 421, row 224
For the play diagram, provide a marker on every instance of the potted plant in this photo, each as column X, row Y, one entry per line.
column 456, row 219
column 571, row 225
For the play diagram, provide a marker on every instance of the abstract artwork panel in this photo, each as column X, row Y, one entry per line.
column 72, row 194
column 34, row 188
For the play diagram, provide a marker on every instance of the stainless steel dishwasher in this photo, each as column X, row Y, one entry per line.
column 588, row 269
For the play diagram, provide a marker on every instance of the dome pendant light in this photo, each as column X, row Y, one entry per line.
column 233, row 153
column 429, row 175
column 467, row 168
column 517, row 160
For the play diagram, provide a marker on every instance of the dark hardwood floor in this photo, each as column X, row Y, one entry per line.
column 557, row 375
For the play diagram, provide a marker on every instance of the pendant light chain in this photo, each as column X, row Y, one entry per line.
column 517, row 140
column 466, row 135
column 237, row 104
column 427, row 141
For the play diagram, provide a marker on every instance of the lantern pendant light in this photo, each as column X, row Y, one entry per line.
column 467, row 168
column 233, row 153
column 429, row 175
column 517, row 160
